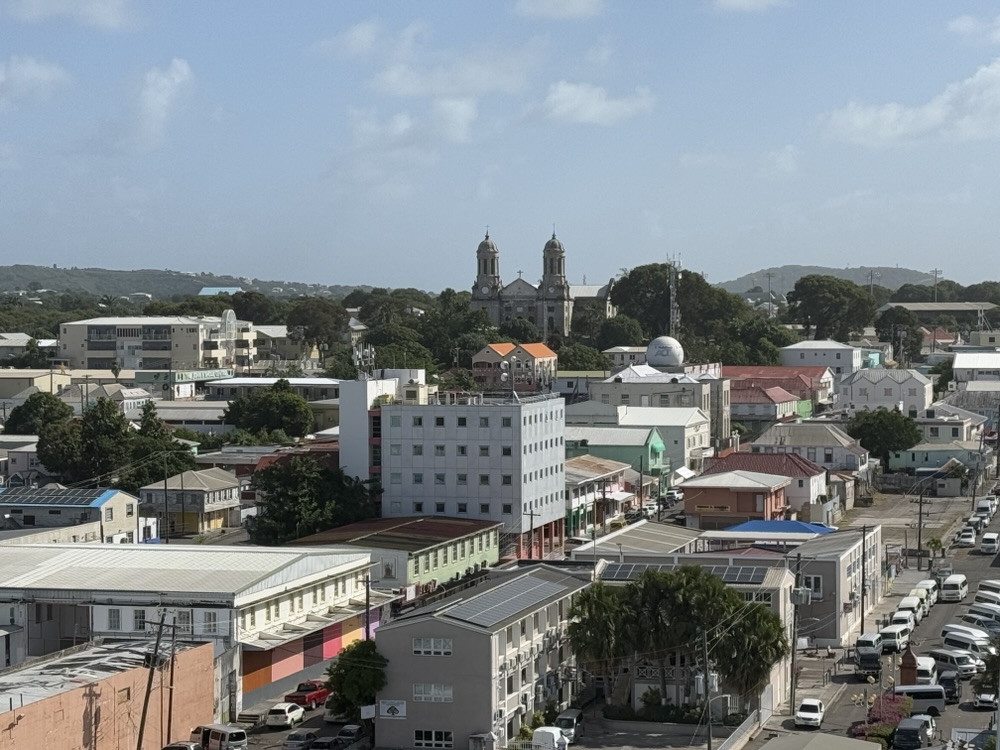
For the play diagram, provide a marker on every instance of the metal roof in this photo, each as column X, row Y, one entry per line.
column 976, row 360
column 204, row 479
column 165, row 568
column 644, row 537
column 941, row 307
column 821, row 344
column 738, row 576
column 494, row 606
column 260, row 382
column 739, row 479
column 875, row 374
column 407, row 534
column 632, row 436
column 56, row 495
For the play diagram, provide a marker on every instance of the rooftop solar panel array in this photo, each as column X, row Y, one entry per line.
column 49, row 496
column 505, row 601
column 740, row 575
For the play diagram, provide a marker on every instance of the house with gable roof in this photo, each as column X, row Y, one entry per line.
column 757, row 407
column 716, row 501
column 819, row 379
column 909, row 391
column 842, row 359
column 524, row 368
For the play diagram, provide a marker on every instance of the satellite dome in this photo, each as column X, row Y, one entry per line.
column 664, row 351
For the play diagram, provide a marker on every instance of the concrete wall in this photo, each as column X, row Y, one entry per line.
column 104, row 715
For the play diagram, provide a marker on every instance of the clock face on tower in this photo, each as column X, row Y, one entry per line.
column 552, row 290
column 485, row 290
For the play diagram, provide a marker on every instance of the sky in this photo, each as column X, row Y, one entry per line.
column 373, row 143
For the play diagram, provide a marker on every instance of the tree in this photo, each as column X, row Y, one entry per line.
column 38, row 410
column 619, row 331
column 32, row 358
column 643, row 293
column 299, row 496
column 599, row 634
column 104, row 437
column 60, row 450
column 154, row 454
column 355, row 678
column 834, row 308
column 945, row 374
column 901, row 327
column 319, row 320
column 407, row 354
column 521, row 330
column 883, row 432
column 745, row 655
column 255, row 307
column 581, row 357
column 268, row 409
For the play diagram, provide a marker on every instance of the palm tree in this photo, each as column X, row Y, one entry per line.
column 598, row 632
column 748, row 650
column 655, row 634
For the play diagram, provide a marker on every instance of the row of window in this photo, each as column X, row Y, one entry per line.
column 396, row 420
column 396, row 449
column 433, row 738
column 456, row 552
column 440, row 479
column 209, row 621
column 432, row 646
column 431, row 692
column 296, row 602
column 863, row 391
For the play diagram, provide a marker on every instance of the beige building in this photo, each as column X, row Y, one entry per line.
column 92, row 697
column 479, row 662
column 520, row 367
column 158, row 342
column 55, row 506
column 13, row 382
column 197, row 501
column 311, row 389
column 274, row 344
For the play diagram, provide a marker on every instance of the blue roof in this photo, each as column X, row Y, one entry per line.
column 781, row 527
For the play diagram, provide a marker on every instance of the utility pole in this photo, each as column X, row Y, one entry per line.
column 170, row 690
column 368, row 607
column 770, row 299
column 935, row 272
column 641, row 477
column 708, row 686
column 920, row 530
column 153, row 658
column 531, row 531
column 795, row 631
column 864, row 574
column 872, row 275
column 166, row 523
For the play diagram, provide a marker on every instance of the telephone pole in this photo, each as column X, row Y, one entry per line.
column 935, row 272
column 864, row 574
column 531, row 531
column 797, row 596
column 153, row 658
column 708, row 686
column 368, row 607
column 920, row 528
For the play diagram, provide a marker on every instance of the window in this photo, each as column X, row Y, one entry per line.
column 507, row 509
column 139, row 620
column 801, row 483
column 439, row 479
column 109, row 514
column 129, row 510
column 432, row 738
column 828, row 455
column 505, row 422
column 124, row 695
column 114, row 619
column 483, row 508
column 484, row 480
column 438, row 450
column 887, row 391
column 484, row 451
column 184, row 619
column 664, row 400
column 506, row 451
column 484, row 421
column 462, row 422
column 432, row 646
column 418, row 478
column 462, row 450
column 210, row 624
column 439, row 507
column 439, row 421
column 814, row 584
column 934, row 431
column 418, row 450
column 625, row 399
column 395, row 421
column 463, row 507
column 418, row 421
column 429, row 692
column 954, row 432
column 395, row 478
column 395, row 449
column 505, row 479
column 427, row 563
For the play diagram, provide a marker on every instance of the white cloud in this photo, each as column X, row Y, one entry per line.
column 591, row 105
column 452, row 118
column 972, row 26
column 747, row 6
column 601, row 53
column 559, row 8
column 103, row 14
column 357, row 41
column 23, row 78
column 458, row 75
column 783, row 162
column 966, row 110
column 158, row 98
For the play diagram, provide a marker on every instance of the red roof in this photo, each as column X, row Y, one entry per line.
column 794, row 384
column 782, row 464
column 777, row 371
column 758, row 395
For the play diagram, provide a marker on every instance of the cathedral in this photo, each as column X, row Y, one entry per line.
column 549, row 305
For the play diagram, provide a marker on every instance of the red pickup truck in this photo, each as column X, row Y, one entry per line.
column 309, row 694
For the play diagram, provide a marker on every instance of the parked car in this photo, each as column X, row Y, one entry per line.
column 929, row 726
column 184, row 745
column 809, row 713
column 300, row 739
column 966, row 539
column 309, row 694
column 326, row 743
column 350, row 733
column 285, row 715
column 986, row 699
column 982, row 622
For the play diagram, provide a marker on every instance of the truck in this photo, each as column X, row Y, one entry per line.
column 868, row 662
column 309, row 694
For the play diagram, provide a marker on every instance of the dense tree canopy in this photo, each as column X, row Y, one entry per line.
column 300, row 496
column 316, row 320
column 38, row 410
column 620, row 331
column 267, row 409
column 574, row 357
column 901, row 327
column 355, row 677
column 829, row 307
column 883, row 431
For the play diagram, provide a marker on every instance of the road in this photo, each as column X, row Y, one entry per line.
column 272, row 738
column 928, row 635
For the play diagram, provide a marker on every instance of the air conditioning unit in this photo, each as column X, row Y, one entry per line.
column 511, row 664
column 497, row 715
column 520, row 658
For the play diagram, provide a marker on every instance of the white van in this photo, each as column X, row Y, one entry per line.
column 220, row 737
column 968, row 630
column 952, row 660
column 927, row 699
column 991, row 611
column 570, row 722
column 923, row 596
column 549, row 738
column 895, row 638
column 926, row 671
column 990, row 584
column 955, row 588
column 986, row 597
column 913, row 605
column 984, row 509
column 932, row 589
column 990, row 543
column 976, row 646
column 905, row 617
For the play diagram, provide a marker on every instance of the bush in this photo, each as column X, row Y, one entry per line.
column 619, row 713
column 890, row 709
column 651, row 698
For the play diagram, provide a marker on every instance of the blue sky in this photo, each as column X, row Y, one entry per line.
column 349, row 142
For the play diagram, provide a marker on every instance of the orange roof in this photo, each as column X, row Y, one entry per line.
column 502, row 349
column 538, row 350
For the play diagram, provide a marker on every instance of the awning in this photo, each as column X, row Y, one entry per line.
column 10, row 629
column 683, row 473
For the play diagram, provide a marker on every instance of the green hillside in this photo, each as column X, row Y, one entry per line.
column 783, row 278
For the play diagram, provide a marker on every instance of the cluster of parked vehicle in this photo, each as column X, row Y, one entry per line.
column 986, row 508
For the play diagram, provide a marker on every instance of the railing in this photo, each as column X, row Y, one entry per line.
column 740, row 734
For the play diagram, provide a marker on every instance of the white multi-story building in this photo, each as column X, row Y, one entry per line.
column 163, row 342
column 472, row 456
column 840, row 358
column 905, row 390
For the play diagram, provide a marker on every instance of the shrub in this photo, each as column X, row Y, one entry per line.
column 651, row 698
column 890, row 709
column 619, row 713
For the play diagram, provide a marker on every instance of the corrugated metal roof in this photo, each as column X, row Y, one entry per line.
column 404, row 533
column 784, row 464
column 586, row 468
column 810, row 434
column 181, row 568
column 738, row 479
column 632, row 436
column 976, row 361
column 758, row 395
column 877, row 374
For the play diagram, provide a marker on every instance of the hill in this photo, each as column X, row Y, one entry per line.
column 783, row 278
column 160, row 284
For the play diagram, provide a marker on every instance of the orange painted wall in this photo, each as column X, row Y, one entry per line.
column 332, row 641
column 287, row 660
column 256, row 669
column 104, row 715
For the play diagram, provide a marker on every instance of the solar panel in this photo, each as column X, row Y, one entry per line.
column 505, row 601
column 50, row 495
column 738, row 575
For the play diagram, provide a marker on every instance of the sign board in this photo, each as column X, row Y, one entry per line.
column 392, row 709
column 368, row 712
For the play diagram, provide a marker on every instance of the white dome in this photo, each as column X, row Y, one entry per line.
column 664, row 351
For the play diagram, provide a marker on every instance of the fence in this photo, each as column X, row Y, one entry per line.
column 740, row 734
